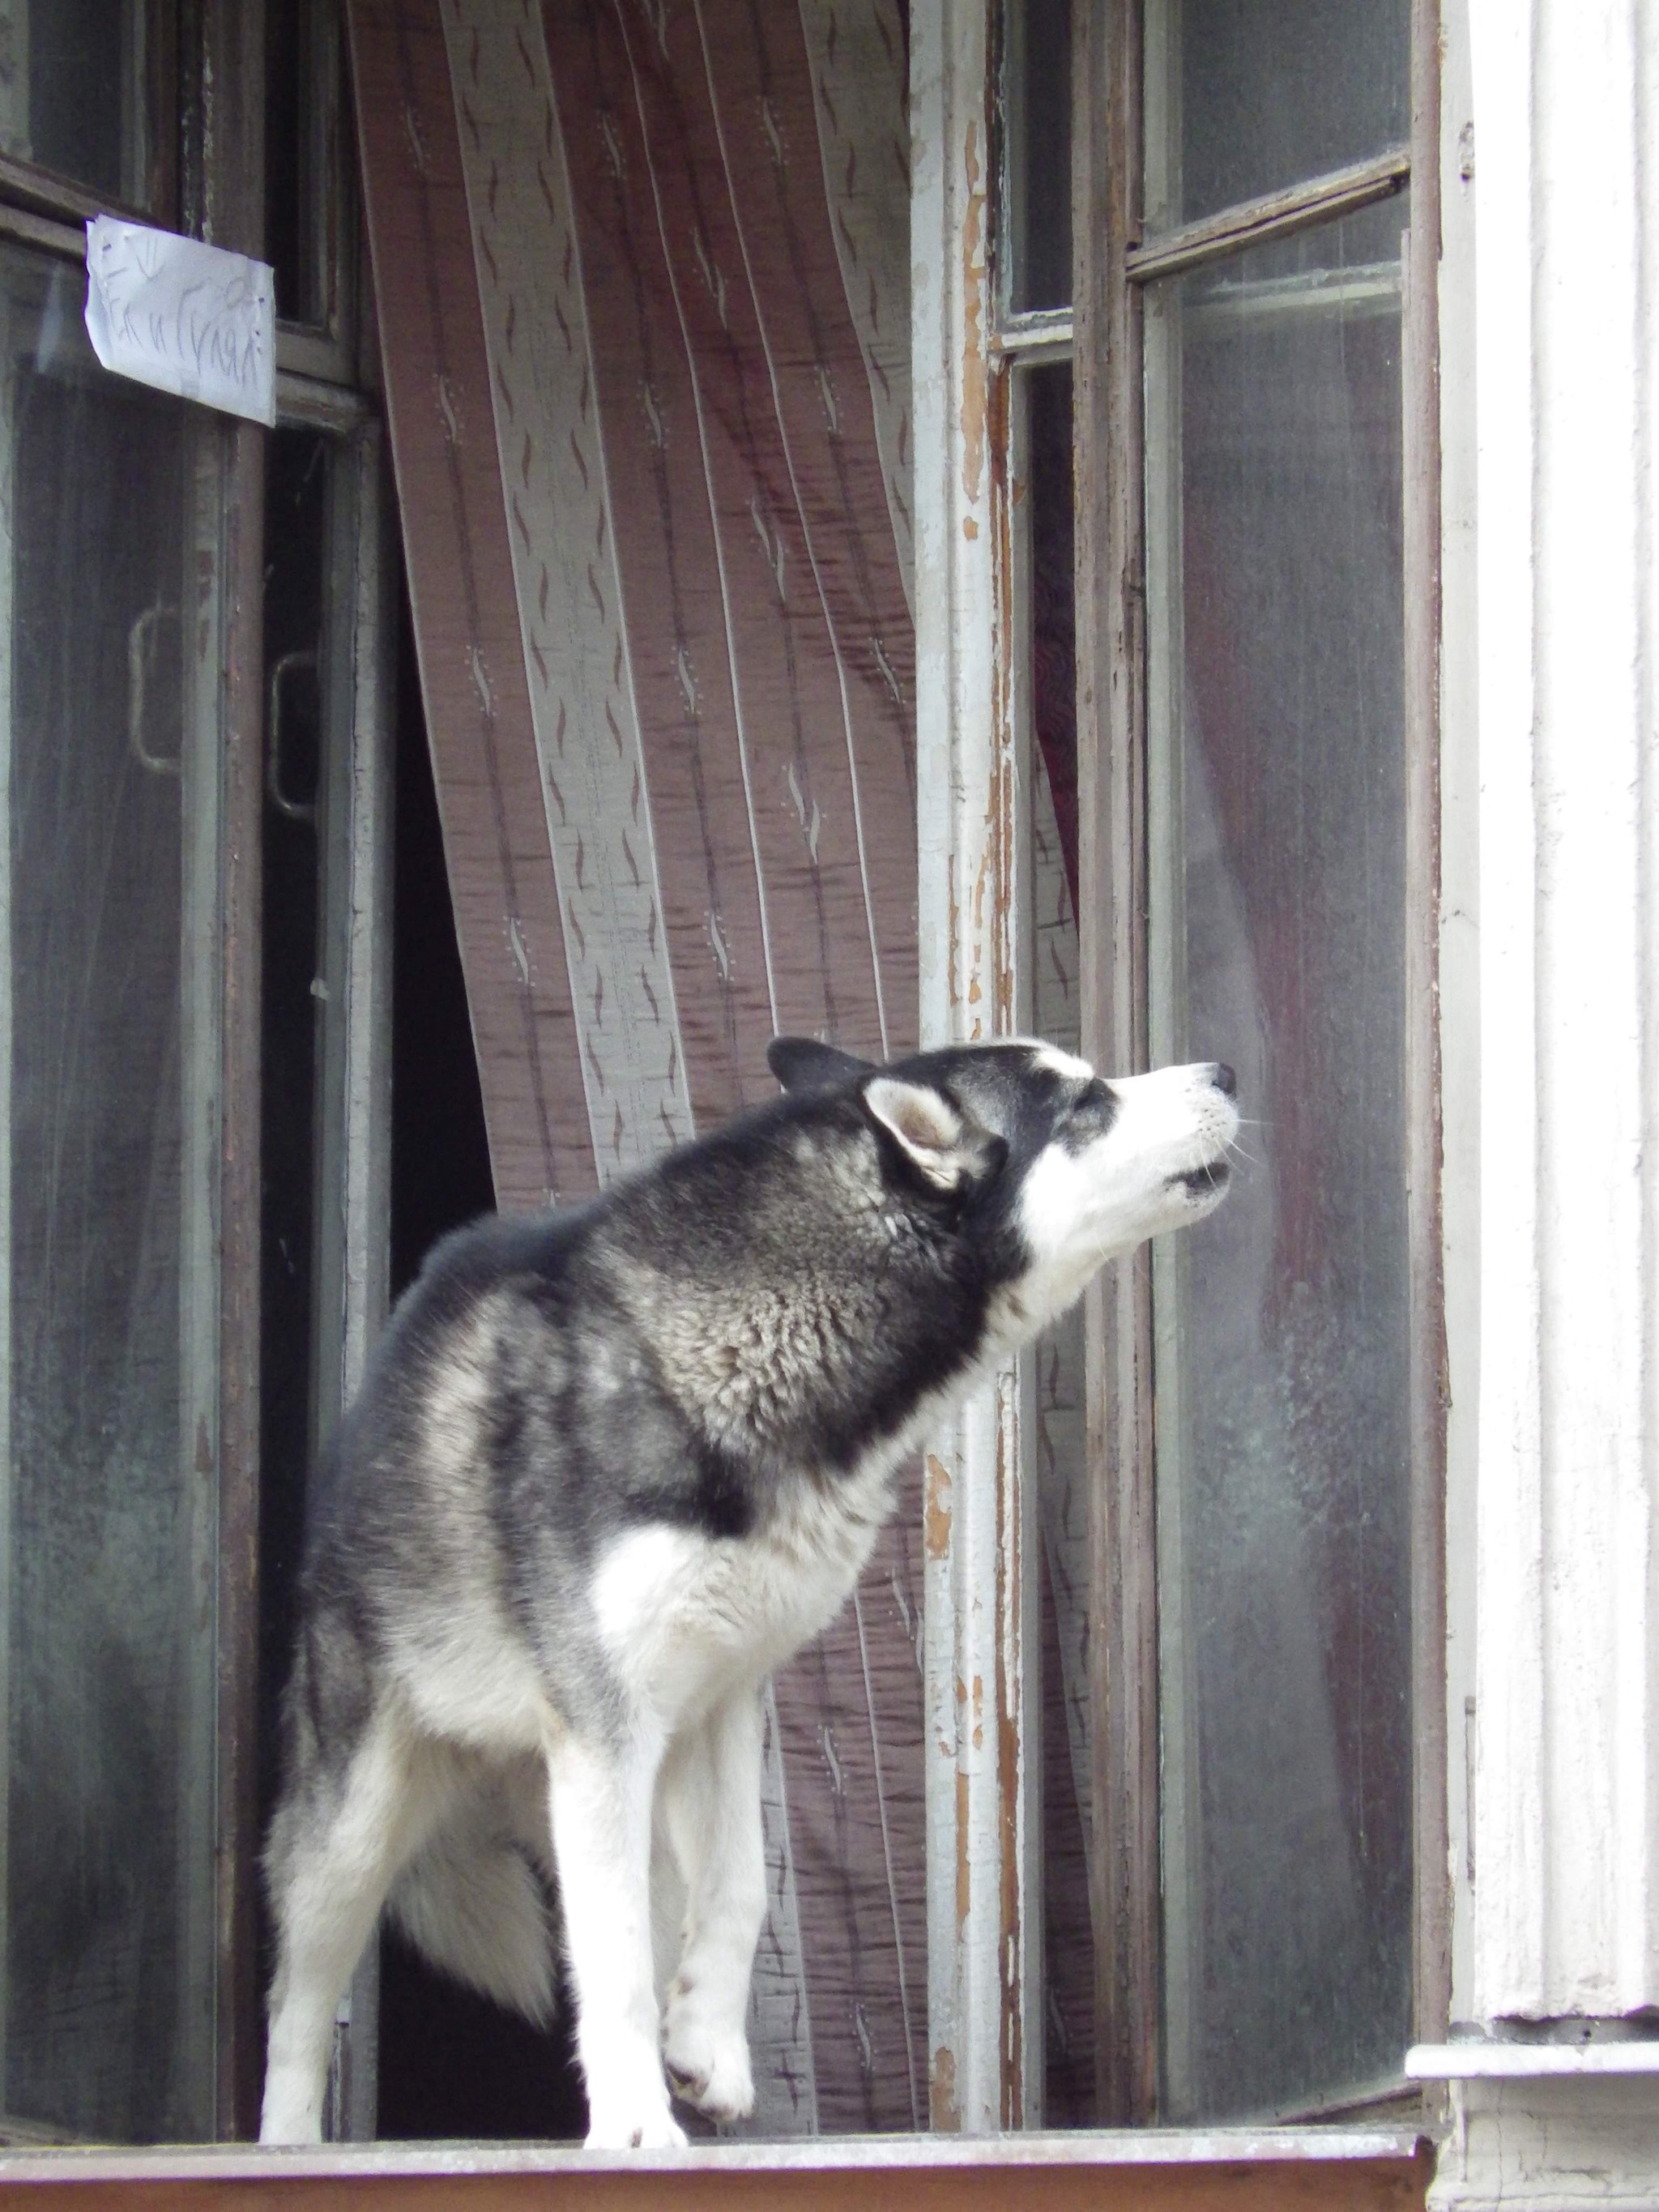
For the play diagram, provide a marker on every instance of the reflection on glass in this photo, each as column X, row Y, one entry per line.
column 74, row 82
column 1277, row 801
column 107, row 1446
column 1245, row 96
column 1037, row 225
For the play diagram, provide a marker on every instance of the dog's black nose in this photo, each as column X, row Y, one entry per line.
column 1224, row 1080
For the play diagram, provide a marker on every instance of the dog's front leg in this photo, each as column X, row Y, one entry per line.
column 601, row 1810
column 711, row 1788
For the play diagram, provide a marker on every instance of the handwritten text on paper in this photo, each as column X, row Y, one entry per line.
column 183, row 317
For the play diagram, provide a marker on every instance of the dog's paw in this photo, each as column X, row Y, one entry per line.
column 627, row 2128
column 707, row 2059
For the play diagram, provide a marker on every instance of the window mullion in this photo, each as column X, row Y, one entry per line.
column 1111, row 811
column 984, row 1950
column 1272, row 214
column 1429, row 1385
column 224, row 161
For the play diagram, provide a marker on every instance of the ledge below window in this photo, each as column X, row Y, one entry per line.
column 1483, row 2061
column 1276, row 2170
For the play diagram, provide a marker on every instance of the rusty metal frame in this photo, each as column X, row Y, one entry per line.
column 1112, row 263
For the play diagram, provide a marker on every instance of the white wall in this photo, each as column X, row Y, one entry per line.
column 1566, row 1820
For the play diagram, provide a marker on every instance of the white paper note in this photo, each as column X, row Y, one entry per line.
column 183, row 317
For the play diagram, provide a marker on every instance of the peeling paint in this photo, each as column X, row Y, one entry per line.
column 964, row 1855
column 942, row 2092
column 937, row 1516
column 973, row 318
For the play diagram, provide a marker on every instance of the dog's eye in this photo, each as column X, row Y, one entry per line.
column 1095, row 1108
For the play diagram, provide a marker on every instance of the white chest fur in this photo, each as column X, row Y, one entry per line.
column 685, row 1619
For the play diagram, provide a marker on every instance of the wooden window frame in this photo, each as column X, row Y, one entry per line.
column 208, row 174
column 1109, row 402
column 209, row 127
column 29, row 186
column 220, row 195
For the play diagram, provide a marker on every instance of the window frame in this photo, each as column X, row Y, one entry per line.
column 1110, row 464
column 32, row 186
column 213, row 146
column 221, row 195
column 208, row 120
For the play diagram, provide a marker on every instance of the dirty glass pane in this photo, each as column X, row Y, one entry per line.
column 75, row 78
column 1037, row 229
column 1277, row 794
column 302, row 72
column 1246, row 96
column 107, row 1431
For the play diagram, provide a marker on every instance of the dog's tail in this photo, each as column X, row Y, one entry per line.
column 471, row 1900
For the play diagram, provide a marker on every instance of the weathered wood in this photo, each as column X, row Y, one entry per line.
column 67, row 239
column 1273, row 214
column 1250, row 2171
column 229, row 157
column 984, row 1941
column 1428, row 1371
column 1112, row 861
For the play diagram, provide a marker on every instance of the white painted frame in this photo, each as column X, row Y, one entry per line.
column 984, row 1917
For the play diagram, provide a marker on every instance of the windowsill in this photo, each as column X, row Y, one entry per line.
column 1245, row 2169
column 1127, row 2147
column 1494, row 2061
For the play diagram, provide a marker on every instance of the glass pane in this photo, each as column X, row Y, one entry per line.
column 302, row 67
column 1277, row 792
column 1245, row 96
column 106, row 1424
column 75, row 80
column 1038, row 110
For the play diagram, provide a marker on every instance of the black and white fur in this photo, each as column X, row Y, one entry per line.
column 610, row 1468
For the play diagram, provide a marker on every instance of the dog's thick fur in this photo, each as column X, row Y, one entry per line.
column 610, row 1468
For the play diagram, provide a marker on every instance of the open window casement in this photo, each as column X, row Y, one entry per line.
column 1177, row 525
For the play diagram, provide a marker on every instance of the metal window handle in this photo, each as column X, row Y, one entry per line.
column 297, row 810
column 140, row 652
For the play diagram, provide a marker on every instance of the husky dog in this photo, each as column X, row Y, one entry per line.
column 611, row 1467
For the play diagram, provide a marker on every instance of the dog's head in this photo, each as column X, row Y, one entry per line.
column 1034, row 1152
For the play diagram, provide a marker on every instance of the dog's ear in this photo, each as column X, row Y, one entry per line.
column 937, row 1140
column 804, row 1063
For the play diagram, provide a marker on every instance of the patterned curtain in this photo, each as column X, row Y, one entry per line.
column 642, row 283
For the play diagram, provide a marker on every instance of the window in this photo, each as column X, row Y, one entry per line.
column 109, row 1368
column 194, row 1122
column 87, row 95
column 1222, row 682
column 141, row 751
